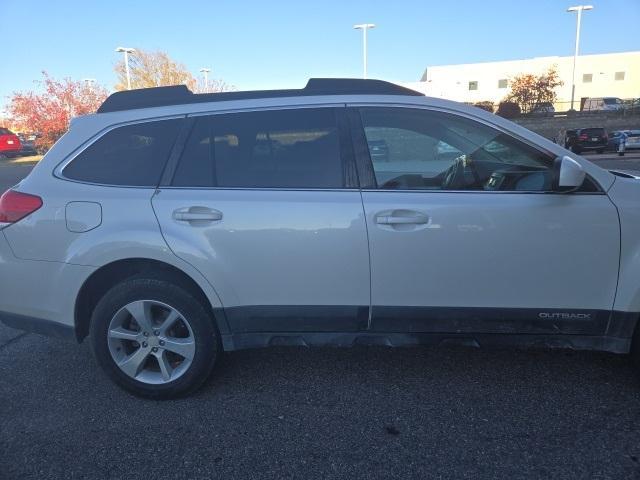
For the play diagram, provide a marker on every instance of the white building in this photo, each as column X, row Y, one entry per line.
column 604, row 75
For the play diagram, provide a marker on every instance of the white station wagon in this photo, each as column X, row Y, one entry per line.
column 170, row 227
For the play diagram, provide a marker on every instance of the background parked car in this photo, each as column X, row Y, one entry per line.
column 28, row 144
column 587, row 139
column 543, row 109
column 10, row 145
column 602, row 104
column 379, row 150
column 632, row 139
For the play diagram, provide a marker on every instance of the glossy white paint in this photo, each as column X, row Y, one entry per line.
column 45, row 290
column 502, row 250
column 83, row 216
column 297, row 247
column 625, row 193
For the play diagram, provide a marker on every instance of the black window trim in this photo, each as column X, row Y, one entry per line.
column 365, row 164
column 345, row 146
column 58, row 171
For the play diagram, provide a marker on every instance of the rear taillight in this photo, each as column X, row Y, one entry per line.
column 583, row 137
column 14, row 206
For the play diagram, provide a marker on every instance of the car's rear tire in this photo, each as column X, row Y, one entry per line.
column 154, row 338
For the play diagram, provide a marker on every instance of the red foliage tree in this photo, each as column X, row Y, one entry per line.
column 48, row 111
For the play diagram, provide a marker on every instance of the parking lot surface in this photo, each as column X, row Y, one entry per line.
column 323, row 413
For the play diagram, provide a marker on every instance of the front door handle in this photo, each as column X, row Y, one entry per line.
column 197, row 215
column 404, row 218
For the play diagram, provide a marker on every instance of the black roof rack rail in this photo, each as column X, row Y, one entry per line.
column 180, row 94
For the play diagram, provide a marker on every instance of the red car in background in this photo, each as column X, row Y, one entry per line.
column 10, row 144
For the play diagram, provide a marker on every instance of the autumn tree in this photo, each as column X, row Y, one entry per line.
column 213, row 86
column 157, row 69
column 49, row 110
column 529, row 90
column 153, row 69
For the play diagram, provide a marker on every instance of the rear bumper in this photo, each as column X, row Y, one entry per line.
column 10, row 149
column 38, row 296
column 593, row 146
column 38, row 325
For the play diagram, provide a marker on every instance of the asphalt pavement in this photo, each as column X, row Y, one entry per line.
column 323, row 413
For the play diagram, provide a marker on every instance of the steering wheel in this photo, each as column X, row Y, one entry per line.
column 455, row 177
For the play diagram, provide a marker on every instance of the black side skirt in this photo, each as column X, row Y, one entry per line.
column 242, row 341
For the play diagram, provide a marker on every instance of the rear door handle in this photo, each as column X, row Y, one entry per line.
column 197, row 214
column 413, row 218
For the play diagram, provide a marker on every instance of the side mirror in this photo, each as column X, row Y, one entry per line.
column 568, row 174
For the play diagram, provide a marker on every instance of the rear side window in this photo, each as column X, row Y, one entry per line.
column 271, row 149
column 133, row 155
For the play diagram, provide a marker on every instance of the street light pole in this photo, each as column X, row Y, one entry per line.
column 126, row 51
column 579, row 9
column 364, row 27
column 205, row 72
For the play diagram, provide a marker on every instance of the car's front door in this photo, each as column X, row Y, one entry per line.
column 466, row 234
column 265, row 204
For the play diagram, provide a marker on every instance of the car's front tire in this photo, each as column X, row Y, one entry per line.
column 154, row 338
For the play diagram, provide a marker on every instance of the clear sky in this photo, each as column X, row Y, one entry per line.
column 273, row 44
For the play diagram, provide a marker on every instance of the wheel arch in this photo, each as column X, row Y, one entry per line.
column 104, row 278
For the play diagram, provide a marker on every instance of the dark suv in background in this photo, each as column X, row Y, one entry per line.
column 587, row 139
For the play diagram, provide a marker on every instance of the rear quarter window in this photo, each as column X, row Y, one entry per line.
column 131, row 155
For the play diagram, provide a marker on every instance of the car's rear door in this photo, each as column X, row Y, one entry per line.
column 467, row 236
column 265, row 204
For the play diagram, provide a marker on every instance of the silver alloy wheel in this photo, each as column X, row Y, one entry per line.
column 151, row 341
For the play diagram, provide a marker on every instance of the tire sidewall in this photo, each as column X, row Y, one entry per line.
column 205, row 334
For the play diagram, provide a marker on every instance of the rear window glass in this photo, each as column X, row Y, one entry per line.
column 5, row 131
column 592, row 131
column 133, row 155
column 272, row 149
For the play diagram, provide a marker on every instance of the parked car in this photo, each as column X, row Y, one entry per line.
column 543, row 109
column 632, row 139
column 157, row 230
column 584, row 139
column 28, row 144
column 379, row 150
column 602, row 104
column 10, row 145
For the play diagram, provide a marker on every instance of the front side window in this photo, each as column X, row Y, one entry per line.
column 271, row 149
column 425, row 150
column 132, row 155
